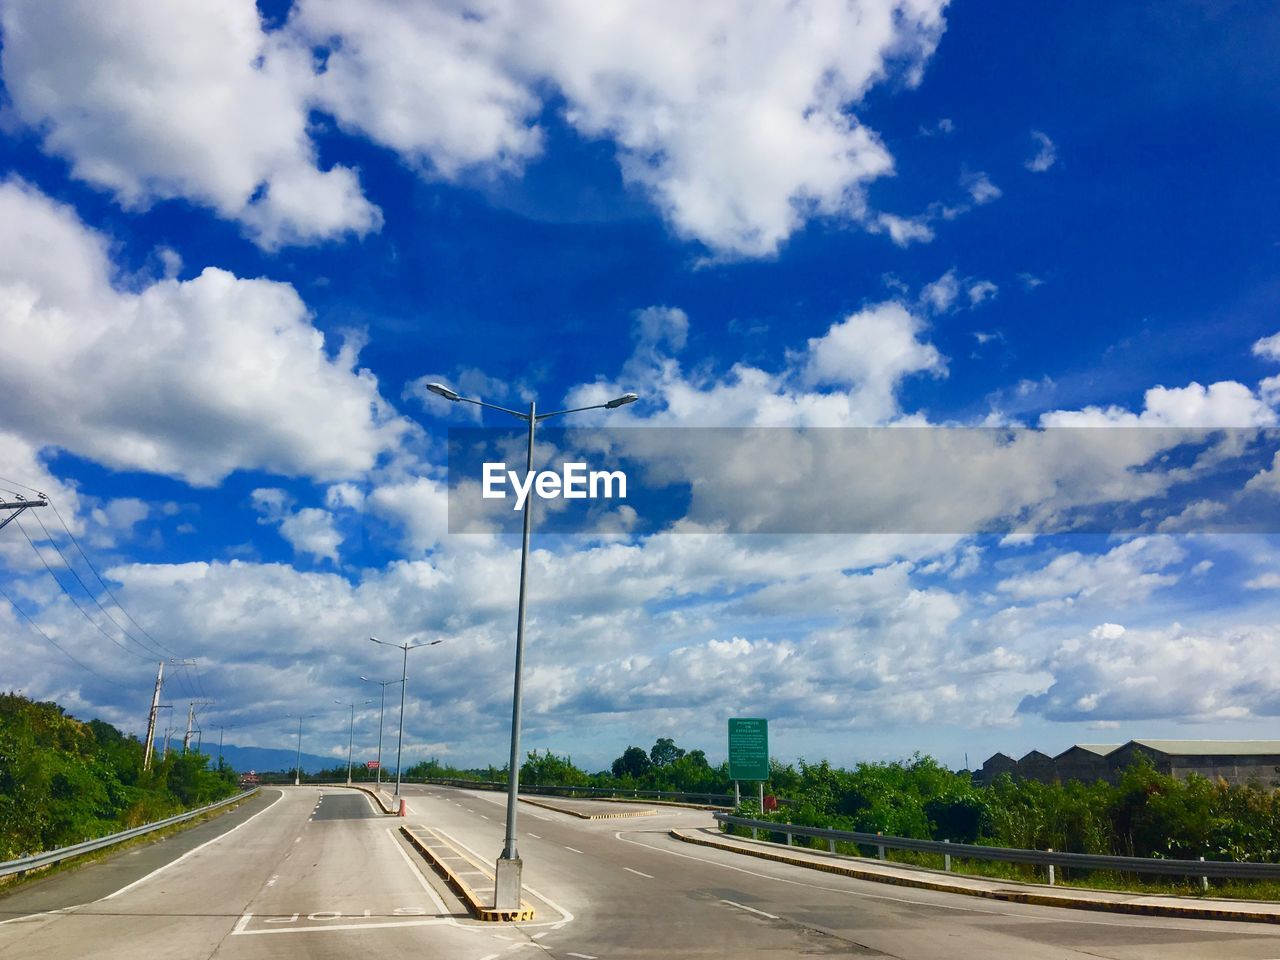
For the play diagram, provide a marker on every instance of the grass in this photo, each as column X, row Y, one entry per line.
column 19, row 880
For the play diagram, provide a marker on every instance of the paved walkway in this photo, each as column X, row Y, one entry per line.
column 1160, row 905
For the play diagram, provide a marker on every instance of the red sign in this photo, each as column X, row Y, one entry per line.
column 371, row 765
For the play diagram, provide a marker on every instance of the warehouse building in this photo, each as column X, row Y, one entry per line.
column 1235, row 761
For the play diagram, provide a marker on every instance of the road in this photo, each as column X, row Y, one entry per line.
column 315, row 872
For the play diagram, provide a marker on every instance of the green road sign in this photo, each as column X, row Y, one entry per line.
column 748, row 748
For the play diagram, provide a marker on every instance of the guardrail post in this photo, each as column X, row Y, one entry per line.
column 1204, row 881
column 788, row 834
column 1051, row 869
column 880, row 848
column 946, row 859
column 831, row 844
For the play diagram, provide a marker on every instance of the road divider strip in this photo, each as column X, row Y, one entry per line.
column 443, row 855
column 376, row 795
column 617, row 815
column 923, row 878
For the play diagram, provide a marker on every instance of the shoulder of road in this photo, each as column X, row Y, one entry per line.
column 1010, row 891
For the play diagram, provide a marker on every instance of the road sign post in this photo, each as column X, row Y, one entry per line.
column 748, row 748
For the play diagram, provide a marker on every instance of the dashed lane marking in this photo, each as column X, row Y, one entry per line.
column 574, row 849
column 647, row 876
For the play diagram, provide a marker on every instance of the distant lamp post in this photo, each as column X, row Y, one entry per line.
column 297, row 767
column 351, row 731
column 383, row 684
column 507, row 884
column 404, row 682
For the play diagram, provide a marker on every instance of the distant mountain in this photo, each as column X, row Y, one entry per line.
column 261, row 759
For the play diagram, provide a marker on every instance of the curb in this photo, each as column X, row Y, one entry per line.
column 372, row 793
column 590, row 816
column 1188, row 912
column 474, row 904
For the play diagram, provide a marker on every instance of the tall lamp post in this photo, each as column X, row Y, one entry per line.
column 507, row 883
column 351, row 731
column 404, row 682
column 381, row 713
column 297, row 767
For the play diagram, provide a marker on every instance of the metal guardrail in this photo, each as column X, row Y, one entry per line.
column 1218, row 869
column 714, row 799
column 51, row 857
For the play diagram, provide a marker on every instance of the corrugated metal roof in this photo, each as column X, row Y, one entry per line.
column 1101, row 749
column 1192, row 748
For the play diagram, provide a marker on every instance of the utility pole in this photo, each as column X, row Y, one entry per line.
column 151, row 720
column 191, row 719
column 149, row 747
column 18, row 505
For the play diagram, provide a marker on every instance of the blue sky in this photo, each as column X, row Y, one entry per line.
column 234, row 244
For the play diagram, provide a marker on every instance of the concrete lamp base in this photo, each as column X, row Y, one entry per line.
column 507, row 887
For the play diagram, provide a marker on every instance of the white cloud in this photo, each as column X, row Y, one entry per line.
column 193, row 379
column 1133, row 569
column 940, row 295
column 737, row 120
column 980, row 188
column 202, row 106
column 982, row 290
column 734, row 118
column 1223, row 404
column 902, row 230
column 1046, row 153
column 1176, row 673
column 1268, row 347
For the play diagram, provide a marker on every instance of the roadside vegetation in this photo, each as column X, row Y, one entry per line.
column 63, row 781
column 1145, row 814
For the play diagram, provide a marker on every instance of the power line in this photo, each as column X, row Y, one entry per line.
column 72, row 598
column 158, row 645
column 57, row 646
column 150, row 652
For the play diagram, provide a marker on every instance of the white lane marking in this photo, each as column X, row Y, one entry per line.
column 193, row 850
column 242, row 923
column 492, row 956
column 299, row 840
column 743, row 906
column 916, row 903
column 565, row 914
column 539, row 936
column 534, row 835
column 272, row 881
column 581, row 956
column 430, row 921
column 417, row 874
column 483, row 817
column 647, row 876
column 574, row 849
column 42, row 913
column 371, row 806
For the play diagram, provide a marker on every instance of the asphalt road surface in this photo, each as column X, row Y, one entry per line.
column 315, row 872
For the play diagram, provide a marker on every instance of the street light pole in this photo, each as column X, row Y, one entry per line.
column 508, row 887
column 383, row 684
column 297, row 767
column 404, row 682
column 351, row 733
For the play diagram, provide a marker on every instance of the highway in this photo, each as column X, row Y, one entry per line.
column 315, row 872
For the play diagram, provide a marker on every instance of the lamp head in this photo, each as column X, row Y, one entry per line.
column 440, row 390
column 622, row 401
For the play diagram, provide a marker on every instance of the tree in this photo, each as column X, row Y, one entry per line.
column 633, row 763
column 665, row 752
